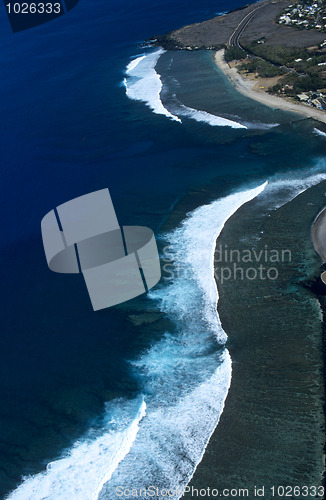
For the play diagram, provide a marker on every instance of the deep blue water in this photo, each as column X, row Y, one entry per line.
column 67, row 128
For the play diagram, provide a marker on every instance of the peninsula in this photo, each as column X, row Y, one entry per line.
column 273, row 51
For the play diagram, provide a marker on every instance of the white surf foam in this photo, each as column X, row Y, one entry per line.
column 185, row 377
column 319, row 132
column 144, row 84
column 187, row 373
column 89, row 464
column 283, row 189
column 203, row 116
column 134, row 63
column 260, row 126
column 194, row 246
column 173, row 439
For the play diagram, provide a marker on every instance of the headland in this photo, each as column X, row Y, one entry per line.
column 273, row 51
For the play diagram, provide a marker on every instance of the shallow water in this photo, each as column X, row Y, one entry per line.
column 272, row 429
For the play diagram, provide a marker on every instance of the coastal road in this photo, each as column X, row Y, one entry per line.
column 234, row 40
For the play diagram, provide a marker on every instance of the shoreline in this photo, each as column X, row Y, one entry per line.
column 318, row 237
column 318, row 234
column 215, row 33
column 277, row 369
column 246, row 87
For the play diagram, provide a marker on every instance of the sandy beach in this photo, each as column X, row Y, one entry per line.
column 246, row 86
column 318, row 234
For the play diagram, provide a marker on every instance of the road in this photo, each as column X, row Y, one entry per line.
column 235, row 37
column 234, row 40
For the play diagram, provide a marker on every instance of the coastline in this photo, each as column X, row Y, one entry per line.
column 215, row 33
column 272, row 428
column 246, row 87
column 74, row 376
column 318, row 234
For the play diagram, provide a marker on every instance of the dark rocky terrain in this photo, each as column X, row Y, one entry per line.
column 216, row 32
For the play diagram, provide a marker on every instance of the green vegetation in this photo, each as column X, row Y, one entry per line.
column 234, row 53
column 263, row 68
column 303, row 70
column 276, row 54
column 293, row 84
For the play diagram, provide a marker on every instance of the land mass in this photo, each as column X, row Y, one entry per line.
column 252, row 88
column 217, row 32
column 270, row 47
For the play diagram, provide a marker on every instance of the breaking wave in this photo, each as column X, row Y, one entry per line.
column 143, row 83
column 319, row 132
column 184, row 379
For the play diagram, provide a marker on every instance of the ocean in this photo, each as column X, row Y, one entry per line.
column 127, row 397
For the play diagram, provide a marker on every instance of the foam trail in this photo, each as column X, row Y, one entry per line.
column 185, row 376
column 282, row 190
column 184, row 408
column 319, row 132
column 218, row 121
column 89, row 464
column 144, row 84
column 134, row 63
column 196, row 240
column 173, row 440
column 203, row 116
column 260, row 125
